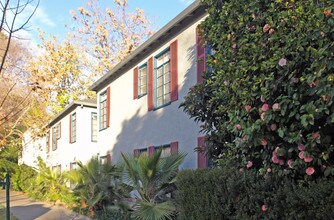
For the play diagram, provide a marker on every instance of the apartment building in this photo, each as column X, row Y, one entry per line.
column 138, row 100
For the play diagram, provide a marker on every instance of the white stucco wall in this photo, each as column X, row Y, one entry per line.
column 133, row 126
column 32, row 148
column 81, row 150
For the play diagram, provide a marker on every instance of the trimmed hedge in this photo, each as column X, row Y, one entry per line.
column 228, row 194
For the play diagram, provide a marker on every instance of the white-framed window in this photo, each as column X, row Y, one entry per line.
column 166, row 150
column 94, row 127
column 74, row 128
column 162, row 79
column 103, row 160
column 142, row 80
column 103, row 110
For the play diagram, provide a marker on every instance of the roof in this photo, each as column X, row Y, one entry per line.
column 90, row 103
column 175, row 26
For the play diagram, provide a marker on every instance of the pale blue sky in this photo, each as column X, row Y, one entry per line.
column 53, row 15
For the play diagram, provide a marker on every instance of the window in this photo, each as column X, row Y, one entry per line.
column 103, row 160
column 94, row 127
column 73, row 128
column 166, row 150
column 57, row 168
column 58, row 126
column 73, row 166
column 142, row 151
column 47, row 141
column 142, row 80
column 162, row 79
column 54, row 138
column 103, row 110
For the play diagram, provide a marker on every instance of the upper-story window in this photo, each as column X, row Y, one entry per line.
column 142, row 80
column 56, row 134
column 162, row 79
column 73, row 127
column 48, row 141
column 103, row 110
column 94, row 127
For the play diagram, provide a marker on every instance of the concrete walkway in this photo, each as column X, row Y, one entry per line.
column 25, row 208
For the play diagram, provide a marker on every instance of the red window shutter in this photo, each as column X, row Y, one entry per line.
column 59, row 127
column 135, row 83
column 200, row 55
column 174, row 71
column 201, row 154
column 108, row 107
column 70, row 166
column 60, row 168
column 70, row 128
column 109, row 159
column 135, row 152
column 150, row 95
column 151, row 150
column 174, row 147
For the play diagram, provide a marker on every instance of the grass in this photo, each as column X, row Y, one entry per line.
column 3, row 213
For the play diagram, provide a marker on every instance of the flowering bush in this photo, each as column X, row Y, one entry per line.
column 268, row 98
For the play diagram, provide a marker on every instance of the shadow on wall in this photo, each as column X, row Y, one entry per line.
column 164, row 125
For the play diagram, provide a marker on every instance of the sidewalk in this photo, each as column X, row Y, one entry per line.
column 25, row 208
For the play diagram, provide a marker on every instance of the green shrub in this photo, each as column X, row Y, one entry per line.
column 23, row 178
column 230, row 194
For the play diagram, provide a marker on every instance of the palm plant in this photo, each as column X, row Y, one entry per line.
column 95, row 185
column 151, row 179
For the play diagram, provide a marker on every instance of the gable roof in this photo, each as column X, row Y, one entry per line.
column 90, row 103
column 175, row 26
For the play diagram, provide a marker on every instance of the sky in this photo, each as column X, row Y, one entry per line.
column 52, row 15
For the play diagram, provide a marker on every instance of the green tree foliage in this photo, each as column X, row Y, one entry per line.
column 267, row 101
column 23, row 178
column 151, row 178
column 229, row 194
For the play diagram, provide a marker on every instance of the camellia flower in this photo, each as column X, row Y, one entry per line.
column 266, row 28
column 265, row 107
column 238, row 127
column 290, row 163
column 282, row 62
column 241, row 170
column 274, row 159
column 273, row 127
column 310, row 171
column 301, row 155
column 276, row 106
column 315, row 135
column 308, row 159
column 269, row 170
column 271, row 31
column 313, row 84
column 281, row 162
column 264, row 208
column 249, row 164
column 264, row 142
column 301, row 147
column 248, row 107
column 328, row 12
column 262, row 98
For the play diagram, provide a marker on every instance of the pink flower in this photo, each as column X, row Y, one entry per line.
column 301, row 147
column 273, row 127
column 315, row 135
column 266, row 28
column 238, row 127
column 264, row 142
column 276, row 149
column 276, row 106
column 249, row 164
column 271, row 31
column 241, row 170
column 282, row 62
column 301, row 155
column 265, row 107
column 281, row 162
column 274, row 159
column 248, row 107
column 310, row 171
column 264, row 208
column 262, row 116
column 290, row 163
column 308, row 159
column 262, row 98
column 313, row 84
column 234, row 46
column 269, row 170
